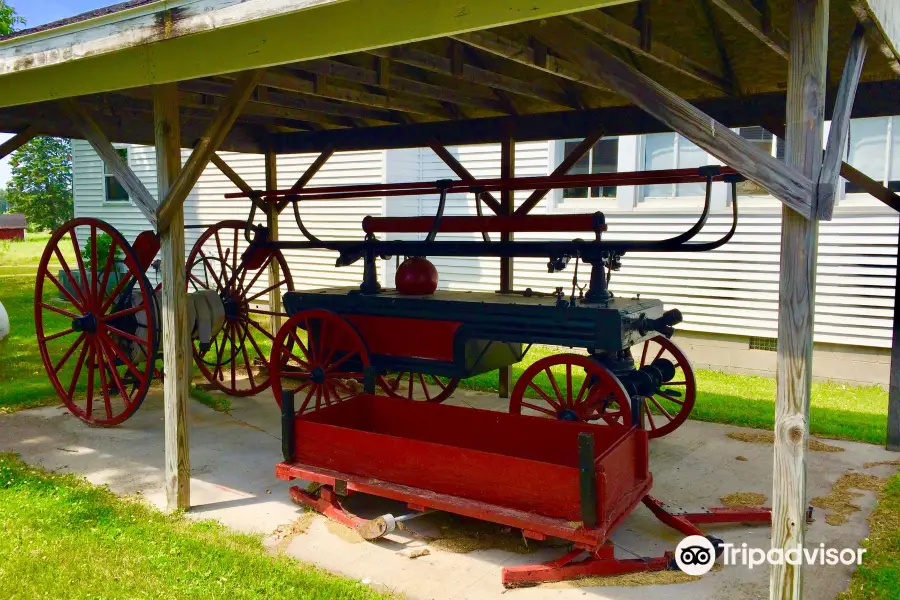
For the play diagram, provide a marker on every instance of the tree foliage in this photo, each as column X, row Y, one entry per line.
column 8, row 18
column 41, row 183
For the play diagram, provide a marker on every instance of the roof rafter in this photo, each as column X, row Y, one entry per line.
column 498, row 45
column 632, row 39
column 443, row 65
column 295, row 100
column 397, row 82
column 751, row 19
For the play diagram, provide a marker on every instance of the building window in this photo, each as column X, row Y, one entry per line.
column 603, row 157
column 874, row 149
column 114, row 190
column 672, row 151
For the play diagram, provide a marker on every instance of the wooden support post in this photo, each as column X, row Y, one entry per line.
column 796, row 301
column 209, row 142
column 577, row 153
column 176, row 347
column 139, row 194
column 463, row 173
column 840, row 125
column 272, row 224
column 893, row 427
column 508, row 207
column 17, row 141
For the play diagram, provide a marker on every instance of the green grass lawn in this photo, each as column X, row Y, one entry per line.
column 23, row 380
column 879, row 574
column 66, row 539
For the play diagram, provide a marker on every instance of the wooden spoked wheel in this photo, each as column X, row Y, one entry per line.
column 668, row 408
column 96, row 322
column 418, row 386
column 320, row 358
column 571, row 387
column 237, row 361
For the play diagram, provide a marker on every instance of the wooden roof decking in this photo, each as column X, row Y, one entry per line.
column 724, row 55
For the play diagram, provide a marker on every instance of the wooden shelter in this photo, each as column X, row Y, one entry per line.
column 288, row 76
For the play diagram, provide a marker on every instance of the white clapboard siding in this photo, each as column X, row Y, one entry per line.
column 206, row 204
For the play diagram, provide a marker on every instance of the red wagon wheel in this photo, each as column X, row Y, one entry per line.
column 96, row 322
column 665, row 410
column 571, row 387
column 237, row 361
column 411, row 385
column 319, row 357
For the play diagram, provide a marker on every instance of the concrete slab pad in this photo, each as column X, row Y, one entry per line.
column 233, row 457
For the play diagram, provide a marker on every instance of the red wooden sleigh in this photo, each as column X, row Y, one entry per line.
column 549, row 478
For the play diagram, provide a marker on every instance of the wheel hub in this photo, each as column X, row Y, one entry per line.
column 567, row 415
column 86, row 323
column 317, row 375
column 232, row 307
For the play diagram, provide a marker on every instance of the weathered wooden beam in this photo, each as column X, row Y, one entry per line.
column 632, row 39
column 443, row 65
column 785, row 183
column 498, row 45
column 881, row 18
column 796, row 298
column 271, row 166
column 207, row 146
column 577, row 153
column 876, row 189
column 176, row 333
column 17, row 141
column 462, row 172
column 751, row 19
column 840, row 126
column 507, row 264
column 138, row 193
column 397, row 82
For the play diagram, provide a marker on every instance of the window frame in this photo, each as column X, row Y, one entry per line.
column 673, row 202
column 592, row 203
column 107, row 175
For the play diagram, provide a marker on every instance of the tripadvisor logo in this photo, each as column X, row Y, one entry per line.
column 695, row 555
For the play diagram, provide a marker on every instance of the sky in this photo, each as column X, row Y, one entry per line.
column 38, row 12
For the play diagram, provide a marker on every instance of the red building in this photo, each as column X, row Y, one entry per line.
column 12, row 227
